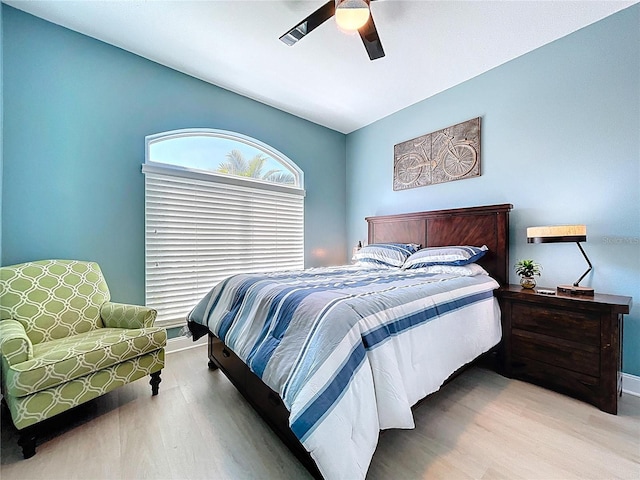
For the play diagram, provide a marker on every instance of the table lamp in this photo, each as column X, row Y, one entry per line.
column 564, row 233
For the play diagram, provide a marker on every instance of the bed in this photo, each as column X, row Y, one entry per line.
column 329, row 404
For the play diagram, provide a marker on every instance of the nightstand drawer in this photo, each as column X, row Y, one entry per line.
column 552, row 376
column 571, row 325
column 555, row 351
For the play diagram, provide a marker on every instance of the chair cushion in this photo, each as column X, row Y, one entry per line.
column 65, row 359
column 44, row 404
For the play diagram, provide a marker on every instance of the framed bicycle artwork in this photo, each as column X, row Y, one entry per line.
column 452, row 153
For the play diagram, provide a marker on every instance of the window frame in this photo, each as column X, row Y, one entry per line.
column 189, row 172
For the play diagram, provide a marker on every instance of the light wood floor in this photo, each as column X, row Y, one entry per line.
column 479, row 426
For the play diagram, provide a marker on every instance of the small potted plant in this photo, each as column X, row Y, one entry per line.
column 527, row 269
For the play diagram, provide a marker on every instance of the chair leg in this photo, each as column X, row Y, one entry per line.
column 155, row 382
column 27, row 441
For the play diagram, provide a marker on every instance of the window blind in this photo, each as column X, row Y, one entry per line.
column 199, row 231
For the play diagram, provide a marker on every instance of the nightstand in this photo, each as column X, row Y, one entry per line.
column 571, row 344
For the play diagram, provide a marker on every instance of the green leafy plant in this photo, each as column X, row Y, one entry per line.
column 527, row 268
column 237, row 164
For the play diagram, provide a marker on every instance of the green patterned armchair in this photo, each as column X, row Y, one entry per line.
column 63, row 343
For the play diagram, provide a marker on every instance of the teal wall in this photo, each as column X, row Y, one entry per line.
column 76, row 115
column 560, row 141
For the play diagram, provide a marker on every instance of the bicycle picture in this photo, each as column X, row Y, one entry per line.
column 456, row 157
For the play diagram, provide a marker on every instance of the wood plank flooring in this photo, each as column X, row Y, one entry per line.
column 479, row 426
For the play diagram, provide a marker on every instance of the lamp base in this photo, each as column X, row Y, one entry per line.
column 575, row 290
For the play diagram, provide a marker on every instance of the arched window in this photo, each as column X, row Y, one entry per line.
column 217, row 203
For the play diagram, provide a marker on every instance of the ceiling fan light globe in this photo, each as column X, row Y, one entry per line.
column 351, row 14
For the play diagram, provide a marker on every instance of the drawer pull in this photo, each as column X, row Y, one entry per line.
column 225, row 353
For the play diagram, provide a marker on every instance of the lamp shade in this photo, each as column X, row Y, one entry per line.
column 351, row 14
column 557, row 233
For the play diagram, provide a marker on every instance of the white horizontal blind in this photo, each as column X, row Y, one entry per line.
column 198, row 232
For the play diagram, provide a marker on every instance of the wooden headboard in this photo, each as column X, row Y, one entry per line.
column 477, row 226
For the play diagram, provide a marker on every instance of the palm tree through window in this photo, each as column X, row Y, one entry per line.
column 237, row 164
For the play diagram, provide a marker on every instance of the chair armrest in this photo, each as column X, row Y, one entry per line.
column 120, row 315
column 15, row 345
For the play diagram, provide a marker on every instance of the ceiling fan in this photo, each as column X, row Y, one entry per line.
column 351, row 15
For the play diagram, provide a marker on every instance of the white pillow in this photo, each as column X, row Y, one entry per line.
column 388, row 254
column 453, row 255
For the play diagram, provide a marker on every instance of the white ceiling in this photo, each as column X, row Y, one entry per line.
column 327, row 77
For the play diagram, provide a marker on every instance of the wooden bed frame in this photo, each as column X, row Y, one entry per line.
column 486, row 225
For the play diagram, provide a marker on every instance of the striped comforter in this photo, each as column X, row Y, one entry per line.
column 351, row 349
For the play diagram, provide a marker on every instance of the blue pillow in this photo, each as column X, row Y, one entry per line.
column 454, row 255
column 387, row 254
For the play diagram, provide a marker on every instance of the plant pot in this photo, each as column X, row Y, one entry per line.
column 527, row 282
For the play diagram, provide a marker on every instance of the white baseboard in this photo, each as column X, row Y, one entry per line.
column 183, row 343
column 631, row 384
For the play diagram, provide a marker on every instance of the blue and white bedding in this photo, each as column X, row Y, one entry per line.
column 351, row 349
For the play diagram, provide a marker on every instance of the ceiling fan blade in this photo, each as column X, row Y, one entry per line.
column 371, row 40
column 314, row 20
